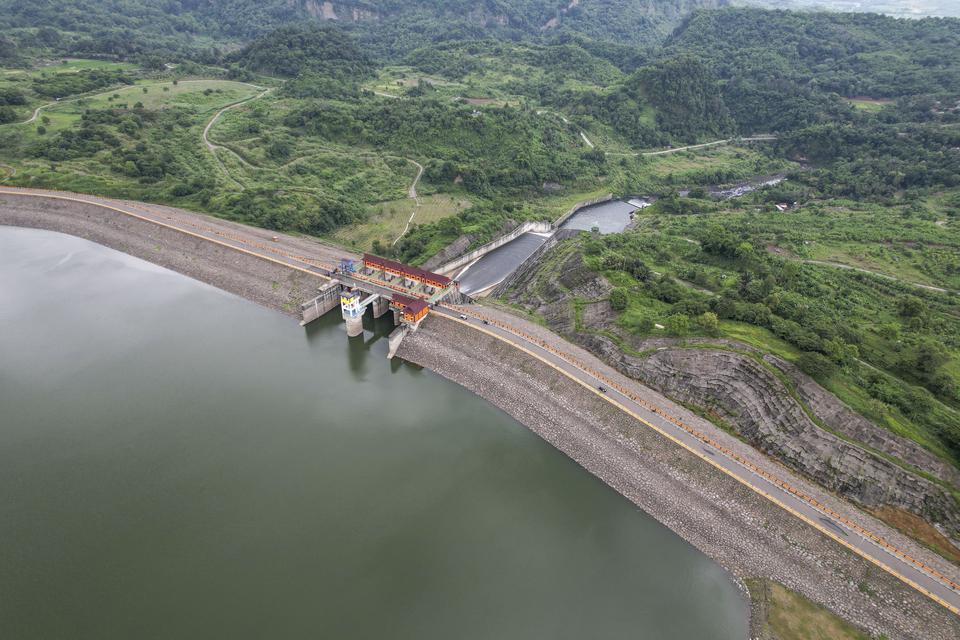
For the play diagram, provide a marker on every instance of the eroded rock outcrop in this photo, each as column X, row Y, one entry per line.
column 751, row 399
column 842, row 419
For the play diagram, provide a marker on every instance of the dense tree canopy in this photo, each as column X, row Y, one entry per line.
column 291, row 51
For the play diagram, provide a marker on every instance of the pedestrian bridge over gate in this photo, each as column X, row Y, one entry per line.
column 381, row 285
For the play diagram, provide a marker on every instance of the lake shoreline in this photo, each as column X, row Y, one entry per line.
column 728, row 525
column 265, row 283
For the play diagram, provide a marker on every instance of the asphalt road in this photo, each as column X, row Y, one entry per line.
column 870, row 546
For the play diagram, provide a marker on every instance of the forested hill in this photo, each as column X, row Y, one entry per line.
column 784, row 70
column 386, row 27
column 856, row 54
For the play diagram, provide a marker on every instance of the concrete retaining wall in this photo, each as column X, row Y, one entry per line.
column 394, row 340
column 328, row 299
column 467, row 258
column 533, row 259
column 581, row 205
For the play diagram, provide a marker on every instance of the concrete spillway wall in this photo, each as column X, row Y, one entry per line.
column 532, row 260
column 581, row 205
column 450, row 268
column 458, row 263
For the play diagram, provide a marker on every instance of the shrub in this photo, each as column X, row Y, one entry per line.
column 708, row 323
column 618, row 299
column 678, row 324
column 816, row 365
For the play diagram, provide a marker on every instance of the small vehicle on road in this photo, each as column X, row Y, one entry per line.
column 486, row 322
column 602, row 389
column 463, row 316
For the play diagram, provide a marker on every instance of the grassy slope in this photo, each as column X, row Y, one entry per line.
column 790, row 616
column 388, row 219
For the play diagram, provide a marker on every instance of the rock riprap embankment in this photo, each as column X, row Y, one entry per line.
column 741, row 530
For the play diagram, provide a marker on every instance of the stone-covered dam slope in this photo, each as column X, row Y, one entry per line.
column 741, row 530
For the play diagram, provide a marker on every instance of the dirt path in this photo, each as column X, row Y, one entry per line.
column 411, row 193
column 662, row 152
column 583, row 134
column 56, row 103
column 213, row 147
column 885, row 276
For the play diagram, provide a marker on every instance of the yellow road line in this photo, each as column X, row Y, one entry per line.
column 163, row 224
column 715, row 464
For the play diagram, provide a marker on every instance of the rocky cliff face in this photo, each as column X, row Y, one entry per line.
column 850, row 456
column 598, row 18
column 352, row 11
column 747, row 396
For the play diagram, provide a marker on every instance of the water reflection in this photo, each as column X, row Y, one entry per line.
column 180, row 463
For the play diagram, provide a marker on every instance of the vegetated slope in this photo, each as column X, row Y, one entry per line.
column 781, row 68
column 595, row 290
column 675, row 99
column 386, row 26
column 291, row 51
column 849, row 54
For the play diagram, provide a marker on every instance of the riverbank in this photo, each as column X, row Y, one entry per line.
column 742, row 531
column 266, row 283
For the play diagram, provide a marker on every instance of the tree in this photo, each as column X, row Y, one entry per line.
column 945, row 385
column 618, row 299
column 678, row 324
column 816, row 365
column 708, row 323
column 912, row 306
column 41, row 130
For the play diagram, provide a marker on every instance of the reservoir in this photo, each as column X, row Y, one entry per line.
column 177, row 462
column 607, row 217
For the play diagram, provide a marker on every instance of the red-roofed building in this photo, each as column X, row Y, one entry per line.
column 411, row 309
column 410, row 273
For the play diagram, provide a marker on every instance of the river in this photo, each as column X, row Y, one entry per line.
column 179, row 463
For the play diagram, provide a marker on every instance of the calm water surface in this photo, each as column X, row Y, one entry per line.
column 607, row 217
column 178, row 463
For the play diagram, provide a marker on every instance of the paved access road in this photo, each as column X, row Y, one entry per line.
column 941, row 588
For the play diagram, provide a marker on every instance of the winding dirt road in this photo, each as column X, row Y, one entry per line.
column 411, row 193
column 885, row 276
column 213, row 147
